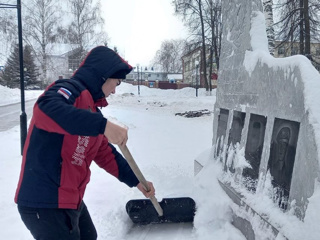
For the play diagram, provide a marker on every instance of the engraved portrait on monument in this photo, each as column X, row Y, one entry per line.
column 282, row 156
column 236, row 127
column 221, row 132
column 235, row 133
column 254, row 147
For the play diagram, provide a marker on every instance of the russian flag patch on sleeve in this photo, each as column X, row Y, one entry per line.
column 64, row 92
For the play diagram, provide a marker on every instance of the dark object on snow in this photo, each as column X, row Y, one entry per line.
column 175, row 210
column 147, row 211
column 192, row 114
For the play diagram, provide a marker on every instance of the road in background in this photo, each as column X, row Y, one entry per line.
column 10, row 114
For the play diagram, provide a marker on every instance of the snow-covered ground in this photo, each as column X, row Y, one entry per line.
column 165, row 147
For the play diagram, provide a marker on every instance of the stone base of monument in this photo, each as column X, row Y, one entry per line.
column 243, row 214
column 245, row 224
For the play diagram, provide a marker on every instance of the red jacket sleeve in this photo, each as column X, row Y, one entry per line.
column 114, row 163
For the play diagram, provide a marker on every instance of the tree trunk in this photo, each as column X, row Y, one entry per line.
column 301, row 44
column 213, row 42
column 218, row 34
column 307, row 27
column 44, row 57
column 268, row 13
column 204, row 59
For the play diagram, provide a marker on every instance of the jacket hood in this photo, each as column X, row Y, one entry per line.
column 100, row 64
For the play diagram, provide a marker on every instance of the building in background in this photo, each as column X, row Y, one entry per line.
column 192, row 63
column 154, row 79
column 286, row 49
column 175, row 77
column 62, row 61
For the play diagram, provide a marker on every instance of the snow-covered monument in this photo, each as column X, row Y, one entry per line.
column 266, row 130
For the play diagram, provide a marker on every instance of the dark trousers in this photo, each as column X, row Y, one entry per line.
column 59, row 224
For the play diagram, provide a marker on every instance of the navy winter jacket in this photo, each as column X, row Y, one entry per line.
column 66, row 134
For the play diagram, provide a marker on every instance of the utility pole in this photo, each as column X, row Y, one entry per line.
column 138, row 80
column 23, row 116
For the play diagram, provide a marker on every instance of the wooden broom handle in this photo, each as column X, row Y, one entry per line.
column 132, row 163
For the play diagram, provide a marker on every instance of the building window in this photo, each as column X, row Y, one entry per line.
column 74, row 60
column 281, row 50
column 73, row 63
column 294, row 51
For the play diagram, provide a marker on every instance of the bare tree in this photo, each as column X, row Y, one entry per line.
column 213, row 19
column 86, row 28
column 203, row 18
column 299, row 22
column 8, row 33
column 168, row 57
column 192, row 13
column 41, row 28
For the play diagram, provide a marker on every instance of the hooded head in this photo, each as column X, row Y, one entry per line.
column 100, row 64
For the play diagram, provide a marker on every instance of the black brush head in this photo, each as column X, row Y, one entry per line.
column 175, row 210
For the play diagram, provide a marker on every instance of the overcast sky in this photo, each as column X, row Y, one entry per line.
column 137, row 27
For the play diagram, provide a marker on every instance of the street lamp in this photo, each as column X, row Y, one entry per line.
column 138, row 80
column 23, row 116
column 197, row 70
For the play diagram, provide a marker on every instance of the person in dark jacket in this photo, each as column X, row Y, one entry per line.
column 67, row 132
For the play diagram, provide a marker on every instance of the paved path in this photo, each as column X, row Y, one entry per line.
column 10, row 114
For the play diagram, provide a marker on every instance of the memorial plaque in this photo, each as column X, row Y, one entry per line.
column 282, row 156
column 221, row 131
column 235, row 132
column 254, row 146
